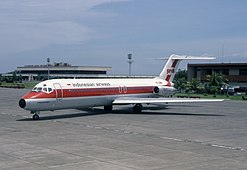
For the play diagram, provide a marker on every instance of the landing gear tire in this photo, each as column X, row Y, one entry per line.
column 137, row 108
column 108, row 108
column 36, row 117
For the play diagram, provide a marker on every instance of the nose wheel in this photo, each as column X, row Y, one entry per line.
column 35, row 115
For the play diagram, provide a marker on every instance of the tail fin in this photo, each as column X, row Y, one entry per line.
column 171, row 66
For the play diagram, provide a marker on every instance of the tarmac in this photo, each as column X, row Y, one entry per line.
column 184, row 136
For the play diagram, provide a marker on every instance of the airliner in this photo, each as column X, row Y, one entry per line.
column 57, row 94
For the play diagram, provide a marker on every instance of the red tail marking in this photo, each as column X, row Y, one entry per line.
column 169, row 84
column 174, row 63
column 168, row 77
column 171, row 70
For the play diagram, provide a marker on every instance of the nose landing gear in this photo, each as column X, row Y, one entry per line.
column 35, row 115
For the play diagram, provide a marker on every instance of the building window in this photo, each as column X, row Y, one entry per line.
column 225, row 71
column 208, row 71
column 217, row 70
column 242, row 72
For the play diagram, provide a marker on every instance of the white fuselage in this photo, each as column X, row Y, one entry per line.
column 81, row 93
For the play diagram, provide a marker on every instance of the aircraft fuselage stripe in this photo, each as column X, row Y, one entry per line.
column 86, row 92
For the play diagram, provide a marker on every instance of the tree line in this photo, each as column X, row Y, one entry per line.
column 11, row 79
column 212, row 85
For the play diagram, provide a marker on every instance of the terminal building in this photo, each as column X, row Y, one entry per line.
column 59, row 70
column 236, row 73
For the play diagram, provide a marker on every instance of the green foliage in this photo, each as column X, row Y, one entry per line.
column 180, row 80
column 216, row 81
column 210, row 96
column 180, row 84
column 214, row 90
column 14, row 77
column 201, row 89
column 194, row 84
column 30, row 85
column 181, row 74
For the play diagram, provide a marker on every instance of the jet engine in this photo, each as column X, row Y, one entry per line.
column 164, row 91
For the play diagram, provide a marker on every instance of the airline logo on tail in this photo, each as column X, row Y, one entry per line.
column 171, row 70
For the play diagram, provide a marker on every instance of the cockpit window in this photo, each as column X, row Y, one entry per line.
column 34, row 89
column 40, row 89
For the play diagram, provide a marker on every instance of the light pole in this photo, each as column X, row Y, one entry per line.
column 130, row 61
column 48, row 70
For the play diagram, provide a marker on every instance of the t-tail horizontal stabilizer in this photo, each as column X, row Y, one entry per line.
column 171, row 66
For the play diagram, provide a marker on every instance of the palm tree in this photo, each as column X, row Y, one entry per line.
column 196, row 85
column 216, row 81
column 180, row 80
column 180, row 84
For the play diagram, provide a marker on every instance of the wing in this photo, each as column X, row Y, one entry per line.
column 130, row 100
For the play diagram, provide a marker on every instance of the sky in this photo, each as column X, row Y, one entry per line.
column 104, row 32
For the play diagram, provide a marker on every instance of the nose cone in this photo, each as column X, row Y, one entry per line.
column 22, row 103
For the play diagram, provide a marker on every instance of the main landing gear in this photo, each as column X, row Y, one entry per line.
column 108, row 108
column 35, row 115
column 137, row 108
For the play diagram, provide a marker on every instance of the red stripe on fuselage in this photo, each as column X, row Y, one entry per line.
column 86, row 92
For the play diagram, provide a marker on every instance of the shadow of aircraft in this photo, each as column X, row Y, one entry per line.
column 63, row 116
column 145, row 112
column 126, row 111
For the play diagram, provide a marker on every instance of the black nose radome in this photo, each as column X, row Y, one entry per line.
column 22, row 103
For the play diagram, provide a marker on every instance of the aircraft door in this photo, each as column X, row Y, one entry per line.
column 59, row 91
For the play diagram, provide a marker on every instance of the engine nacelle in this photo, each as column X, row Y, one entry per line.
column 156, row 90
column 164, row 91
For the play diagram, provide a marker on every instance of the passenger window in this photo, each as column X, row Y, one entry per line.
column 49, row 89
column 45, row 89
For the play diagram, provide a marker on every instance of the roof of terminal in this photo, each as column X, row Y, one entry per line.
column 218, row 65
column 63, row 66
